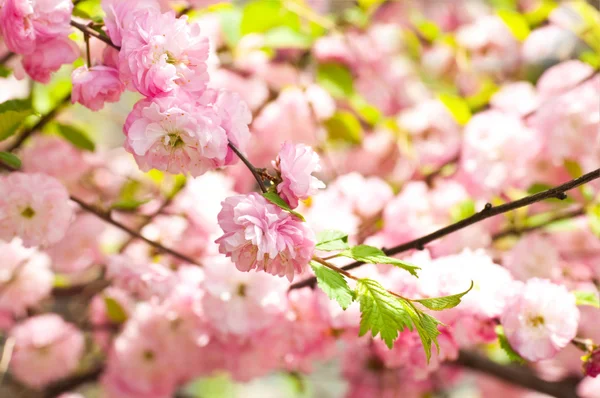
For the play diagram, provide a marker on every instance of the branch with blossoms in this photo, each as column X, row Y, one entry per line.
column 159, row 322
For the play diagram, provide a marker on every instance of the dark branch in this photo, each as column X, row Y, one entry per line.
column 518, row 375
column 7, row 57
column 487, row 212
column 87, row 30
column 69, row 384
column 250, row 167
column 559, row 217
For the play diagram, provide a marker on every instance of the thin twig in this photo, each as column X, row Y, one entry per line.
column 487, row 212
column 7, row 57
column 560, row 217
column 250, row 167
column 86, row 30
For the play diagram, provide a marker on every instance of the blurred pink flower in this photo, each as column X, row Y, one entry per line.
column 540, row 319
column 48, row 57
column 95, row 86
column 519, row 98
column 534, row 256
column 34, row 207
column 259, row 235
column 46, row 349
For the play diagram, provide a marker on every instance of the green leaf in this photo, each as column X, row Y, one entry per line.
column 540, row 12
column 262, row 15
column 12, row 115
column 76, row 137
column 442, row 303
column 114, row 310
column 343, row 126
column 481, row 98
column 368, row 112
column 458, row 107
column 373, row 255
column 278, row 201
column 286, row 37
column 368, row 4
column 10, row 159
column 426, row 326
column 516, row 23
column 593, row 214
column 89, row 9
column 336, row 79
column 573, row 168
column 380, row 312
column 586, row 298
column 333, row 284
column 462, row 210
column 330, row 240
column 128, row 204
column 428, row 29
column 5, row 71
column 231, row 20
column 506, row 347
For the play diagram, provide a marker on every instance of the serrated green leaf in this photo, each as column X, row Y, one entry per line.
column 128, row 204
column 114, row 310
column 586, row 298
column 286, row 37
column 10, row 159
column 506, row 347
column 333, row 284
column 12, row 115
column 458, row 107
column 426, row 326
column 278, row 201
column 330, row 240
column 380, row 312
column 343, row 126
column 76, row 137
column 516, row 23
column 443, row 303
column 336, row 79
column 373, row 255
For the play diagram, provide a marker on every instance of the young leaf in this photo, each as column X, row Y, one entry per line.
column 12, row 115
column 330, row 240
column 10, row 160
column 333, row 284
column 343, row 126
column 586, row 298
column 278, row 201
column 114, row 311
column 373, row 255
column 5, row 71
column 286, row 37
column 336, row 79
column 443, row 303
column 426, row 326
column 516, row 23
column 593, row 215
column 380, row 312
column 76, row 137
column 128, row 204
column 506, row 347
column 458, row 107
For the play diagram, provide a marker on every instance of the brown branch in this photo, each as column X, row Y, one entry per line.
column 558, row 217
column 7, row 57
column 47, row 118
column 487, row 212
column 69, row 384
column 250, row 167
column 518, row 375
column 87, row 30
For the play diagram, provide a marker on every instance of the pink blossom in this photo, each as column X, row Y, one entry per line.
column 55, row 157
column 79, row 249
column 296, row 163
column 259, row 235
column 48, row 57
column 46, row 349
column 173, row 134
column 161, row 53
column 562, row 77
column 540, row 319
column 25, row 23
column 533, row 256
column 141, row 279
column 592, row 364
column 367, row 195
column 120, row 16
column 93, row 87
column 253, row 90
column 519, row 98
column 25, row 277
column 34, row 207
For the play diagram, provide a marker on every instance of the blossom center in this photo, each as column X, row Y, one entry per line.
column 241, row 290
column 174, row 140
column 28, row 212
column 536, row 321
column 148, row 355
column 171, row 58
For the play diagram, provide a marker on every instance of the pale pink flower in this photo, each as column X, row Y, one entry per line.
column 80, row 248
column 55, row 157
column 519, row 98
column 259, row 235
column 48, row 57
column 562, row 77
column 367, row 195
column 46, row 349
column 540, row 319
column 253, row 90
column 141, row 279
column 172, row 134
column 25, row 277
column 24, row 23
column 93, row 87
column 296, row 163
column 120, row 16
column 533, row 256
column 161, row 53
column 34, row 207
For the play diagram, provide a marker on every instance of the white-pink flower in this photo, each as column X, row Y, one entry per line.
column 540, row 319
column 48, row 57
column 46, row 349
column 296, row 163
column 95, row 86
column 34, row 207
column 259, row 235
column 120, row 15
column 25, row 277
column 172, row 134
column 161, row 53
